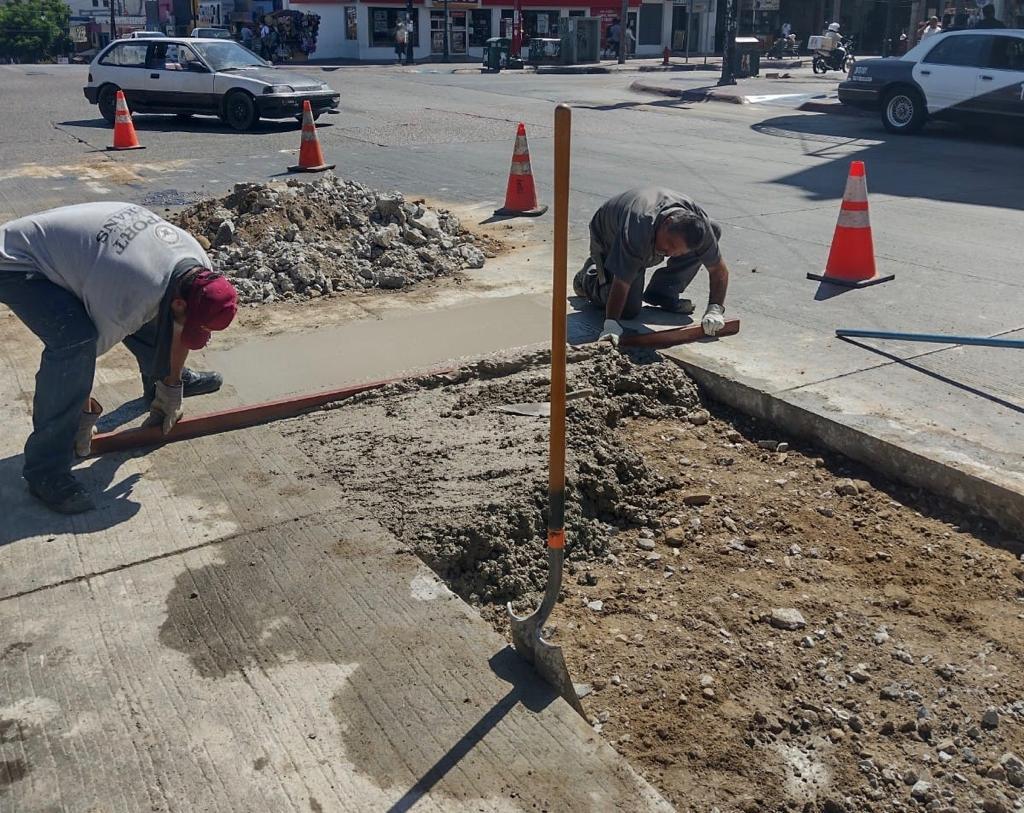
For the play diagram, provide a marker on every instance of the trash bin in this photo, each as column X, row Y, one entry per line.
column 746, row 60
column 496, row 52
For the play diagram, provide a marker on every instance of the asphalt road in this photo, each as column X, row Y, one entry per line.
column 945, row 206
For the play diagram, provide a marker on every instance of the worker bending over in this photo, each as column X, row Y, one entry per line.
column 83, row 278
column 637, row 230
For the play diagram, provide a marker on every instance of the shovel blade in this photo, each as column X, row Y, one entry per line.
column 546, row 658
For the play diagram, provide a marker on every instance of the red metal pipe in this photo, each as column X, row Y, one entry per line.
column 237, row 417
column 677, row 335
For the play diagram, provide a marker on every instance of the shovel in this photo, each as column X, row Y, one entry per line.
column 527, row 632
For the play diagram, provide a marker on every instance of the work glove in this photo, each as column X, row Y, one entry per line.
column 87, row 428
column 611, row 332
column 165, row 411
column 714, row 320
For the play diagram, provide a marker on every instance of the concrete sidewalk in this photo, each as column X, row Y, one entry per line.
column 772, row 87
column 224, row 634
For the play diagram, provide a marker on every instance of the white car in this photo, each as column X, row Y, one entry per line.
column 189, row 76
column 976, row 75
column 211, row 33
column 137, row 35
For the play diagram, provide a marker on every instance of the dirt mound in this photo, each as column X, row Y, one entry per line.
column 465, row 484
column 299, row 239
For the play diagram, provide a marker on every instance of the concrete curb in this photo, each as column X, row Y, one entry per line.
column 560, row 70
column 692, row 95
column 1003, row 504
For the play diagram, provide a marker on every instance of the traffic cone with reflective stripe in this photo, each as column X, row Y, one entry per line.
column 851, row 260
column 311, row 158
column 520, row 194
column 124, row 130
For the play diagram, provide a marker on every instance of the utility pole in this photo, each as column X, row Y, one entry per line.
column 729, row 48
column 622, row 31
column 446, row 57
column 408, row 32
column 113, row 22
column 887, row 42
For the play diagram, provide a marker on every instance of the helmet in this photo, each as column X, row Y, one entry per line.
column 833, row 26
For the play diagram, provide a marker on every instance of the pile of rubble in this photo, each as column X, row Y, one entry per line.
column 297, row 240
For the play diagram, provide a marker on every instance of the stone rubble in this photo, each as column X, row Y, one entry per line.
column 298, row 240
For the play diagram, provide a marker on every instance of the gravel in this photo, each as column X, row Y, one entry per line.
column 298, row 240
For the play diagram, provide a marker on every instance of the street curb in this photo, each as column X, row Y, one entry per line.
column 694, row 95
column 999, row 502
column 561, row 70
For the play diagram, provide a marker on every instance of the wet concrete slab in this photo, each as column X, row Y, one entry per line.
column 262, row 369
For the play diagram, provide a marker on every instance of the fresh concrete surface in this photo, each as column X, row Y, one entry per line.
column 223, row 634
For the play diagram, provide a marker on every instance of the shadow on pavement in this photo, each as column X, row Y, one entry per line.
column 944, row 162
column 527, row 688
column 995, row 399
column 27, row 518
column 197, row 124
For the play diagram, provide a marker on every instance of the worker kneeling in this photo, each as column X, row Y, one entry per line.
column 83, row 278
column 636, row 231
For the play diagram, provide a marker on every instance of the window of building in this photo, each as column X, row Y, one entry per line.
column 479, row 28
column 351, row 24
column 383, row 22
column 126, row 55
column 540, row 24
column 966, row 51
column 95, row 3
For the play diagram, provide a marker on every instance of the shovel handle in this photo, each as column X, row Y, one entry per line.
column 556, row 464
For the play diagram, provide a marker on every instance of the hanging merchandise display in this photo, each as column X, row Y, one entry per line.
column 293, row 35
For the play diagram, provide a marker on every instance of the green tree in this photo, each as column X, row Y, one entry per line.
column 31, row 30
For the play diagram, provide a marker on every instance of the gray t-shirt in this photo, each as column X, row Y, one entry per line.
column 624, row 228
column 118, row 258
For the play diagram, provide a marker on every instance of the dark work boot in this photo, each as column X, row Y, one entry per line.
column 192, row 381
column 671, row 304
column 62, row 493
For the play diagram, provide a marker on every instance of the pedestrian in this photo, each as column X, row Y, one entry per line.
column 401, row 40
column 83, row 278
column 247, row 37
column 265, row 51
column 637, row 230
column 931, row 29
column 988, row 18
column 786, row 30
column 628, row 40
column 614, row 33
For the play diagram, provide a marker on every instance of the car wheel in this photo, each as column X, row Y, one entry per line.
column 240, row 111
column 903, row 111
column 106, row 100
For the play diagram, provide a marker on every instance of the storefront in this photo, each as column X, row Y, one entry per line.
column 365, row 31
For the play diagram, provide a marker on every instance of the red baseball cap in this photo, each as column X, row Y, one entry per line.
column 211, row 305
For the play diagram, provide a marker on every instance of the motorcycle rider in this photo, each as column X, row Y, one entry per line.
column 837, row 56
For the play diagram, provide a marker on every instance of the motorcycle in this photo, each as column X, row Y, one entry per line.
column 840, row 58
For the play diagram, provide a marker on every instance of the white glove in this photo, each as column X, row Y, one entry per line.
column 87, row 428
column 165, row 410
column 611, row 332
column 714, row 320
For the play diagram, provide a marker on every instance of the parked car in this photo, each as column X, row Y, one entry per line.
column 189, row 76
column 137, row 35
column 211, row 33
column 976, row 75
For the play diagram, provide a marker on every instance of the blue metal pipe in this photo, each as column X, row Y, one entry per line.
column 935, row 338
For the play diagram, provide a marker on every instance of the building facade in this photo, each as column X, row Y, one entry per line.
column 365, row 29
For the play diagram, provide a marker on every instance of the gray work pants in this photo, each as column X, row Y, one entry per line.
column 667, row 283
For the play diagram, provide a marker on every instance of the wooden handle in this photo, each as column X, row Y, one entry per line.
column 677, row 335
column 556, row 453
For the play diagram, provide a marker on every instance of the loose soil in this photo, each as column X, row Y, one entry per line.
column 764, row 628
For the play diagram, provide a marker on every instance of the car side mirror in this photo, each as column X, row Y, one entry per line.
column 197, row 67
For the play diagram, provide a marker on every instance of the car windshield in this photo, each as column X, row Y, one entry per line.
column 226, row 56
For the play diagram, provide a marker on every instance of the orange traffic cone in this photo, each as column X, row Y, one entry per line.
column 851, row 261
column 311, row 158
column 124, row 130
column 521, row 195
